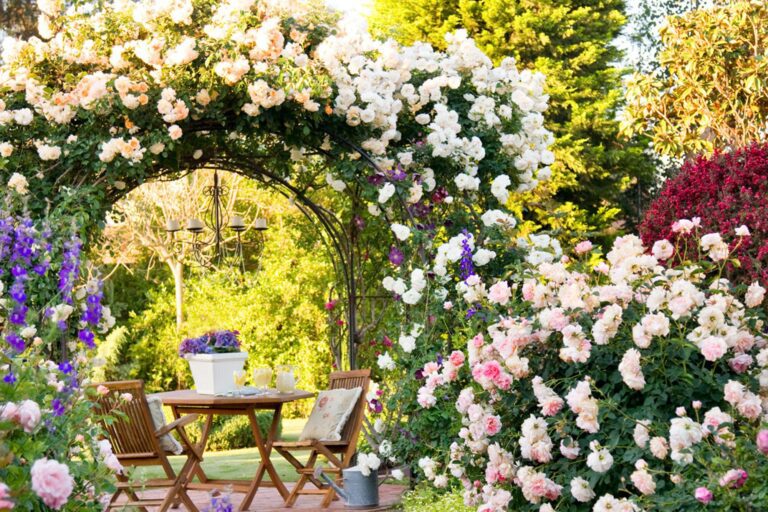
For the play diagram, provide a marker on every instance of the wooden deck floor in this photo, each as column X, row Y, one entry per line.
column 268, row 500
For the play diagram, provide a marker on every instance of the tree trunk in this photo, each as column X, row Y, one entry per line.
column 177, row 269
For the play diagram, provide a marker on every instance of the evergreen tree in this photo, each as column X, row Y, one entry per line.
column 571, row 42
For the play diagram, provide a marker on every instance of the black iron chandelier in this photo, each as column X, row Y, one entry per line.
column 217, row 240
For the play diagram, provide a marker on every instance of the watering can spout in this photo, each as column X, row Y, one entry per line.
column 319, row 474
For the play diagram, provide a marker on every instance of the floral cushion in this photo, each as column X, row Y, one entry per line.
column 167, row 442
column 330, row 413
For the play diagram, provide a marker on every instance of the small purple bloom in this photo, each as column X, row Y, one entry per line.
column 65, row 367
column 397, row 174
column 19, row 315
column 375, row 406
column 58, row 407
column 9, row 378
column 396, row 256
column 15, row 341
column 87, row 337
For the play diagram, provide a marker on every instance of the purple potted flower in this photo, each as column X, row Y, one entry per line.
column 213, row 359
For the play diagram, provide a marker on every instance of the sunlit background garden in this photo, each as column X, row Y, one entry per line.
column 539, row 225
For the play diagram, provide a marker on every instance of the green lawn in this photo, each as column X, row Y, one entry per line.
column 238, row 464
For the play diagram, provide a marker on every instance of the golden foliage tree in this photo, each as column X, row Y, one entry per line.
column 712, row 88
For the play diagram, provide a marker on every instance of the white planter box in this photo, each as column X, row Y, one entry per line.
column 214, row 373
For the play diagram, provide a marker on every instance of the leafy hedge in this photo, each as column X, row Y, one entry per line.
column 724, row 190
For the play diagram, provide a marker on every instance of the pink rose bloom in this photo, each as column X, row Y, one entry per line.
column 9, row 412
column 431, row 367
column 733, row 392
column 102, row 389
column 703, row 495
column 28, row 415
column 491, row 370
column 500, row 293
column 713, row 348
column 662, row 250
column 447, row 305
column 456, row 358
column 740, row 363
column 551, row 405
column 52, row 482
column 492, row 425
column 112, row 462
column 503, row 381
column 733, row 478
column 569, row 451
column 528, row 289
column 750, row 406
column 5, row 497
column 762, row 441
column 583, row 247
column 478, row 341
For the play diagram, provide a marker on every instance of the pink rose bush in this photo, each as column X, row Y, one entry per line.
column 609, row 385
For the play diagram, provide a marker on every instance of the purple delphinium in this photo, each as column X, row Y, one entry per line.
column 70, row 267
column 58, row 407
column 396, row 256
column 466, row 265
column 15, row 341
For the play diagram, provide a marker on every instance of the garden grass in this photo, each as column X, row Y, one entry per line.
column 238, row 464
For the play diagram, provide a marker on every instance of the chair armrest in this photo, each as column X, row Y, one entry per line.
column 176, row 424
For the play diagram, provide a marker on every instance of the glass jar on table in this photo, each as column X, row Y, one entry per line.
column 286, row 378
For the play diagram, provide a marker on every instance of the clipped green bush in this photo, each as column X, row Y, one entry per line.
column 427, row 499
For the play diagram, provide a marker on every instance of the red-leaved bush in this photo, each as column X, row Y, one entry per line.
column 726, row 190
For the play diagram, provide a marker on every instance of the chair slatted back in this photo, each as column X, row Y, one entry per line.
column 132, row 435
column 349, row 380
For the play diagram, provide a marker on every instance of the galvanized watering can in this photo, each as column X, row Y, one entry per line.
column 359, row 491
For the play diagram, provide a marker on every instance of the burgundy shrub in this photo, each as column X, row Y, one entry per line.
column 725, row 190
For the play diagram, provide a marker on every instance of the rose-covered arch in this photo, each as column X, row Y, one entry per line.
column 419, row 144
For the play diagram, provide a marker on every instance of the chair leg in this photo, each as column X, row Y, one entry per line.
column 296, row 463
column 128, row 492
column 303, row 479
column 178, row 493
column 171, row 476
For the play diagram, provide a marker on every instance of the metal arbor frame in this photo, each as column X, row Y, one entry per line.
column 338, row 239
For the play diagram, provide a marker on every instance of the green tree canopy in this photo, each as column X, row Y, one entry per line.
column 571, row 43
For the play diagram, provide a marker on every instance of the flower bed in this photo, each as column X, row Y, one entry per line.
column 628, row 384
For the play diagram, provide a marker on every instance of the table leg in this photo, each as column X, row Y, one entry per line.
column 265, row 449
column 201, row 444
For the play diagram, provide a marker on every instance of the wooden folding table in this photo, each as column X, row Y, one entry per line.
column 188, row 401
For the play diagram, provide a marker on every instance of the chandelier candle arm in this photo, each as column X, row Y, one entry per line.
column 236, row 223
column 194, row 225
column 172, row 226
column 260, row 224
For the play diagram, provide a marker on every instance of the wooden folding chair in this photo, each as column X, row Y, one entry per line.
column 338, row 453
column 136, row 442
